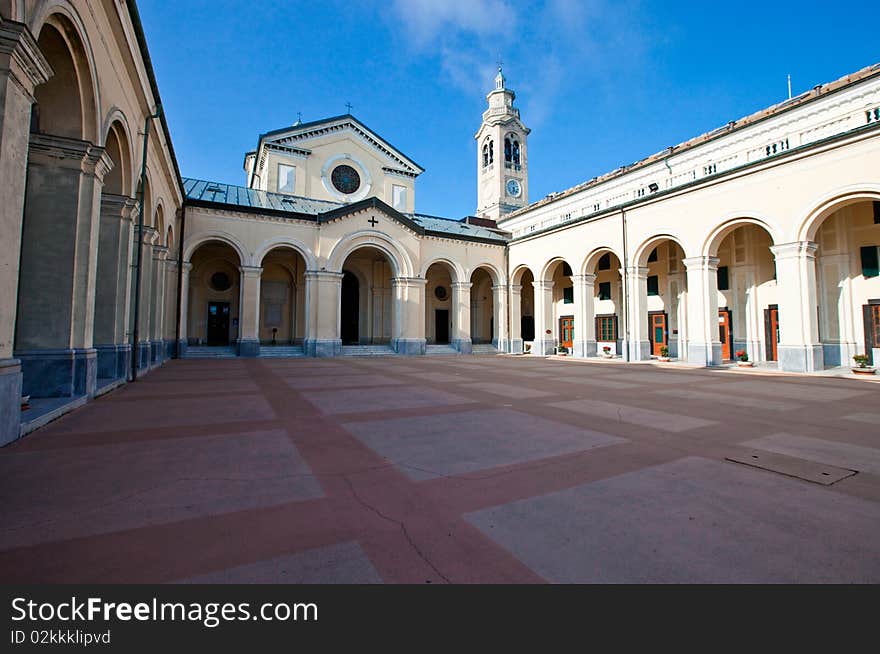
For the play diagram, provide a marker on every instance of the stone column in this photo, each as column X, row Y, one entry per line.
column 157, row 318
column 461, row 317
column 501, row 337
column 323, row 298
column 22, row 67
column 636, row 346
column 169, row 321
column 544, row 343
column 249, row 312
column 146, row 298
column 515, row 327
column 704, row 344
column 112, row 285
column 799, row 347
column 183, row 342
column 56, row 300
column 408, row 320
column 584, row 315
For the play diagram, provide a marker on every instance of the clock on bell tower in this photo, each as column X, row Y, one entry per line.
column 502, row 155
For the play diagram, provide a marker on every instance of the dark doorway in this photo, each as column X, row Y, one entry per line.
column 350, row 315
column 527, row 328
column 771, row 331
column 218, row 323
column 441, row 326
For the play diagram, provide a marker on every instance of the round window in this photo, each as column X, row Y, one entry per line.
column 220, row 281
column 345, row 179
column 441, row 293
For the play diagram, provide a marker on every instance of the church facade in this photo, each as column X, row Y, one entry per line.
column 762, row 236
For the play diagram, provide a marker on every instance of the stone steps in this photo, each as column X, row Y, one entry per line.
column 281, row 351
column 206, row 352
column 484, row 348
column 440, row 349
column 366, row 350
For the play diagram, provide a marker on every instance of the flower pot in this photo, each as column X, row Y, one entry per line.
column 863, row 371
column 663, row 359
column 746, row 364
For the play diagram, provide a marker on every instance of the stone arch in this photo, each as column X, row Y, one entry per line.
column 641, row 253
column 494, row 274
column 285, row 241
column 159, row 222
column 216, row 235
column 397, row 256
column 116, row 127
column 592, row 259
column 821, row 208
column 713, row 241
column 63, row 39
column 456, row 269
column 550, row 266
column 518, row 272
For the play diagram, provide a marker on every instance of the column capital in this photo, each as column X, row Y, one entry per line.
column 701, row 263
column 515, row 289
column 160, row 252
column 461, row 286
column 408, row 282
column 187, row 266
column 588, row 279
column 148, row 235
column 323, row 275
column 635, row 271
column 250, row 271
column 794, row 250
column 542, row 285
column 21, row 56
column 117, row 206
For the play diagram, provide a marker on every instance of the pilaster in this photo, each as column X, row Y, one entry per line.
column 799, row 347
column 461, row 317
column 704, row 346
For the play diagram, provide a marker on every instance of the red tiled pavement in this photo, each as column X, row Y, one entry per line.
column 217, row 465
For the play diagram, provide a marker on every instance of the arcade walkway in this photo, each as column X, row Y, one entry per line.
column 449, row 469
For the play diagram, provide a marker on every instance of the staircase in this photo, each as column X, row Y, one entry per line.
column 440, row 349
column 484, row 348
column 212, row 352
column 366, row 350
column 281, row 351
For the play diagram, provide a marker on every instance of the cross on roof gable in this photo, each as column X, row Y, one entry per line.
column 289, row 136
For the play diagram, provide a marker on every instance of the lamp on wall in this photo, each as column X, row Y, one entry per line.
column 653, row 187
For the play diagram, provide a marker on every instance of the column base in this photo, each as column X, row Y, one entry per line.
column 10, row 400
column 839, row 354
column 180, row 350
column 409, row 346
column 155, row 359
column 314, row 347
column 114, row 361
column 800, row 358
column 143, row 356
column 543, row 347
column 463, row 345
column 704, row 354
column 636, row 350
column 516, row 346
column 59, row 373
column 248, row 348
column 583, row 349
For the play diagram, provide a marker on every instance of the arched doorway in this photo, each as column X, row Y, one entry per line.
column 282, row 298
column 484, row 325
column 558, row 307
column 522, row 310
column 607, row 299
column 441, row 305
column 214, row 296
column 369, row 272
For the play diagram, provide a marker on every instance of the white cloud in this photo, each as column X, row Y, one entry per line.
column 431, row 19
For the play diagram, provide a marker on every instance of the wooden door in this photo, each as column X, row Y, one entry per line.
column 566, row 331
column 771, row 332
column 725, row 334
column 657, row 322
column 218, row 323
column 872, row 330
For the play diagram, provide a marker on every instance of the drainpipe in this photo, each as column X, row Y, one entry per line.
column 140, row 247
column 180, row 238
column 624, row 301
column 507, row 275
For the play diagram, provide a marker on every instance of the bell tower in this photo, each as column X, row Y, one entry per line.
column 502, row 155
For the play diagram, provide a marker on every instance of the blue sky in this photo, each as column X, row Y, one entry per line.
column 601, row 83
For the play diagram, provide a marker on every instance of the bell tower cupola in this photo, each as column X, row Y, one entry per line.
column 502, row 155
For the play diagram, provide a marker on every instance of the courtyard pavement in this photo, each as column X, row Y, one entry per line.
column 450, row 469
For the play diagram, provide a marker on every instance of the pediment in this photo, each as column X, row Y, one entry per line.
column 298, row 138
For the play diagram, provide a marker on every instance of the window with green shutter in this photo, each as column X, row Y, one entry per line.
column 568, row 295
column 653, row 285
column 870, row 261
column 723, row 278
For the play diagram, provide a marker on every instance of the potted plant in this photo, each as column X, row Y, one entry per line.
column 743, row 359
column 606, row 351
column 562, row 350
column 862, row 367
column 664, row 353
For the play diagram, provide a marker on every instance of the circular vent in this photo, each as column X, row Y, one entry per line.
column 220, row 281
